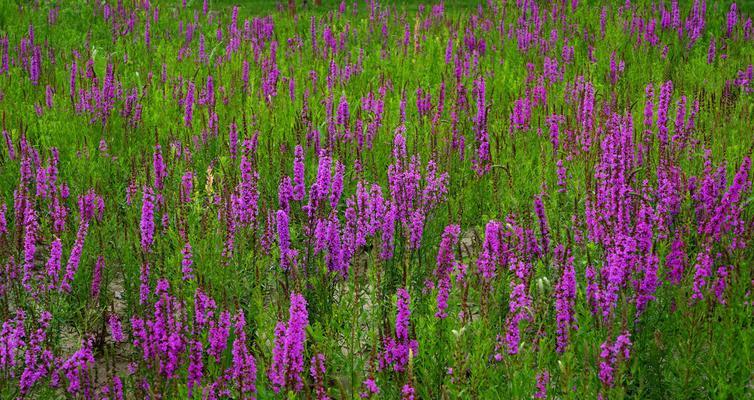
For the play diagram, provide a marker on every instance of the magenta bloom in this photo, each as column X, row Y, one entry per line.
column 288, row 354
column 299, row 183
column 97, row 276
column 147, row 219
column 396, row 349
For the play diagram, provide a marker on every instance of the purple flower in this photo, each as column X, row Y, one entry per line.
column 160, row 170
column 702, row 271
column 116, row 330
column 218, row 336
column 147, row 219
column 732, row 19
column 233, row 140
column 97, row 276
column 396, row 350
column 662, row 111
column 76, row 369
column 446, row 261
column 565, row 296
column 74, row 258
column 543, row 378
column 204, row 307
column 544, row 227
column 337, row 185
column 371, row 388
column 288, row 354
column 187, row 186
column 244, row 364
column 144, row 284
column 186, row 262
column 31, row 231
column 284, row 241
column 54, row 262
column 188, row 105
column 518, row 304
column 196, row 366
column 318, row 371
column 299, row 183
column 408, row 392
column 676, row 260
column 721, row 283
column 416, row 231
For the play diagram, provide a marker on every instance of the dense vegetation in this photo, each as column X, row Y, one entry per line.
column 515, row 199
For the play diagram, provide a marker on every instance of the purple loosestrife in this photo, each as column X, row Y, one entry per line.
column 647, row 261
column 144, row 284
column 147, row 219
column 31, row 233
column 396, row 349
column 188, row 105
column 76, row 369
column 287, row 255
column 244, row 364
column 324, row 178
column 732, row 19
column 482, row 161
column 162, row 336
column 195, row 367
column 544, row 227
column 288, row 354
column 38, row 362
column 75, row 257
column 9, row 145
column 611, row 355
column 702, row 272
column 117, row 388
column 554, row 122
column 491, row 248
column 388, row 232
column 187, row 262
column 160, row 170
column 318, row 372
column 54, row 262
column 649, row 106
column 187, row 187
column 408, row 392
column 299, row 183
column 445, row 264
column 218, row 335
column 562, row 177
column 336, row 189
column 3, row 221
column 565, row 297
column 416, row 229
column 276, row 372
column 543, row 378
column 711, row 51
column 48, row 96
column 666, row 92
column 285, row 194
column 97, row 277
column 11, row 340
column 248, row 194
column 204, row 307
column 116, row 329
column 676, row 260
column 233, row 140
column 518, row 305
column 721, row 283
column 371, row 389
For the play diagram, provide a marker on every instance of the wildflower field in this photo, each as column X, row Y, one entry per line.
column 499, row 199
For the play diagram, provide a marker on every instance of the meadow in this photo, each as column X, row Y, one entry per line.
column 381, row 200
